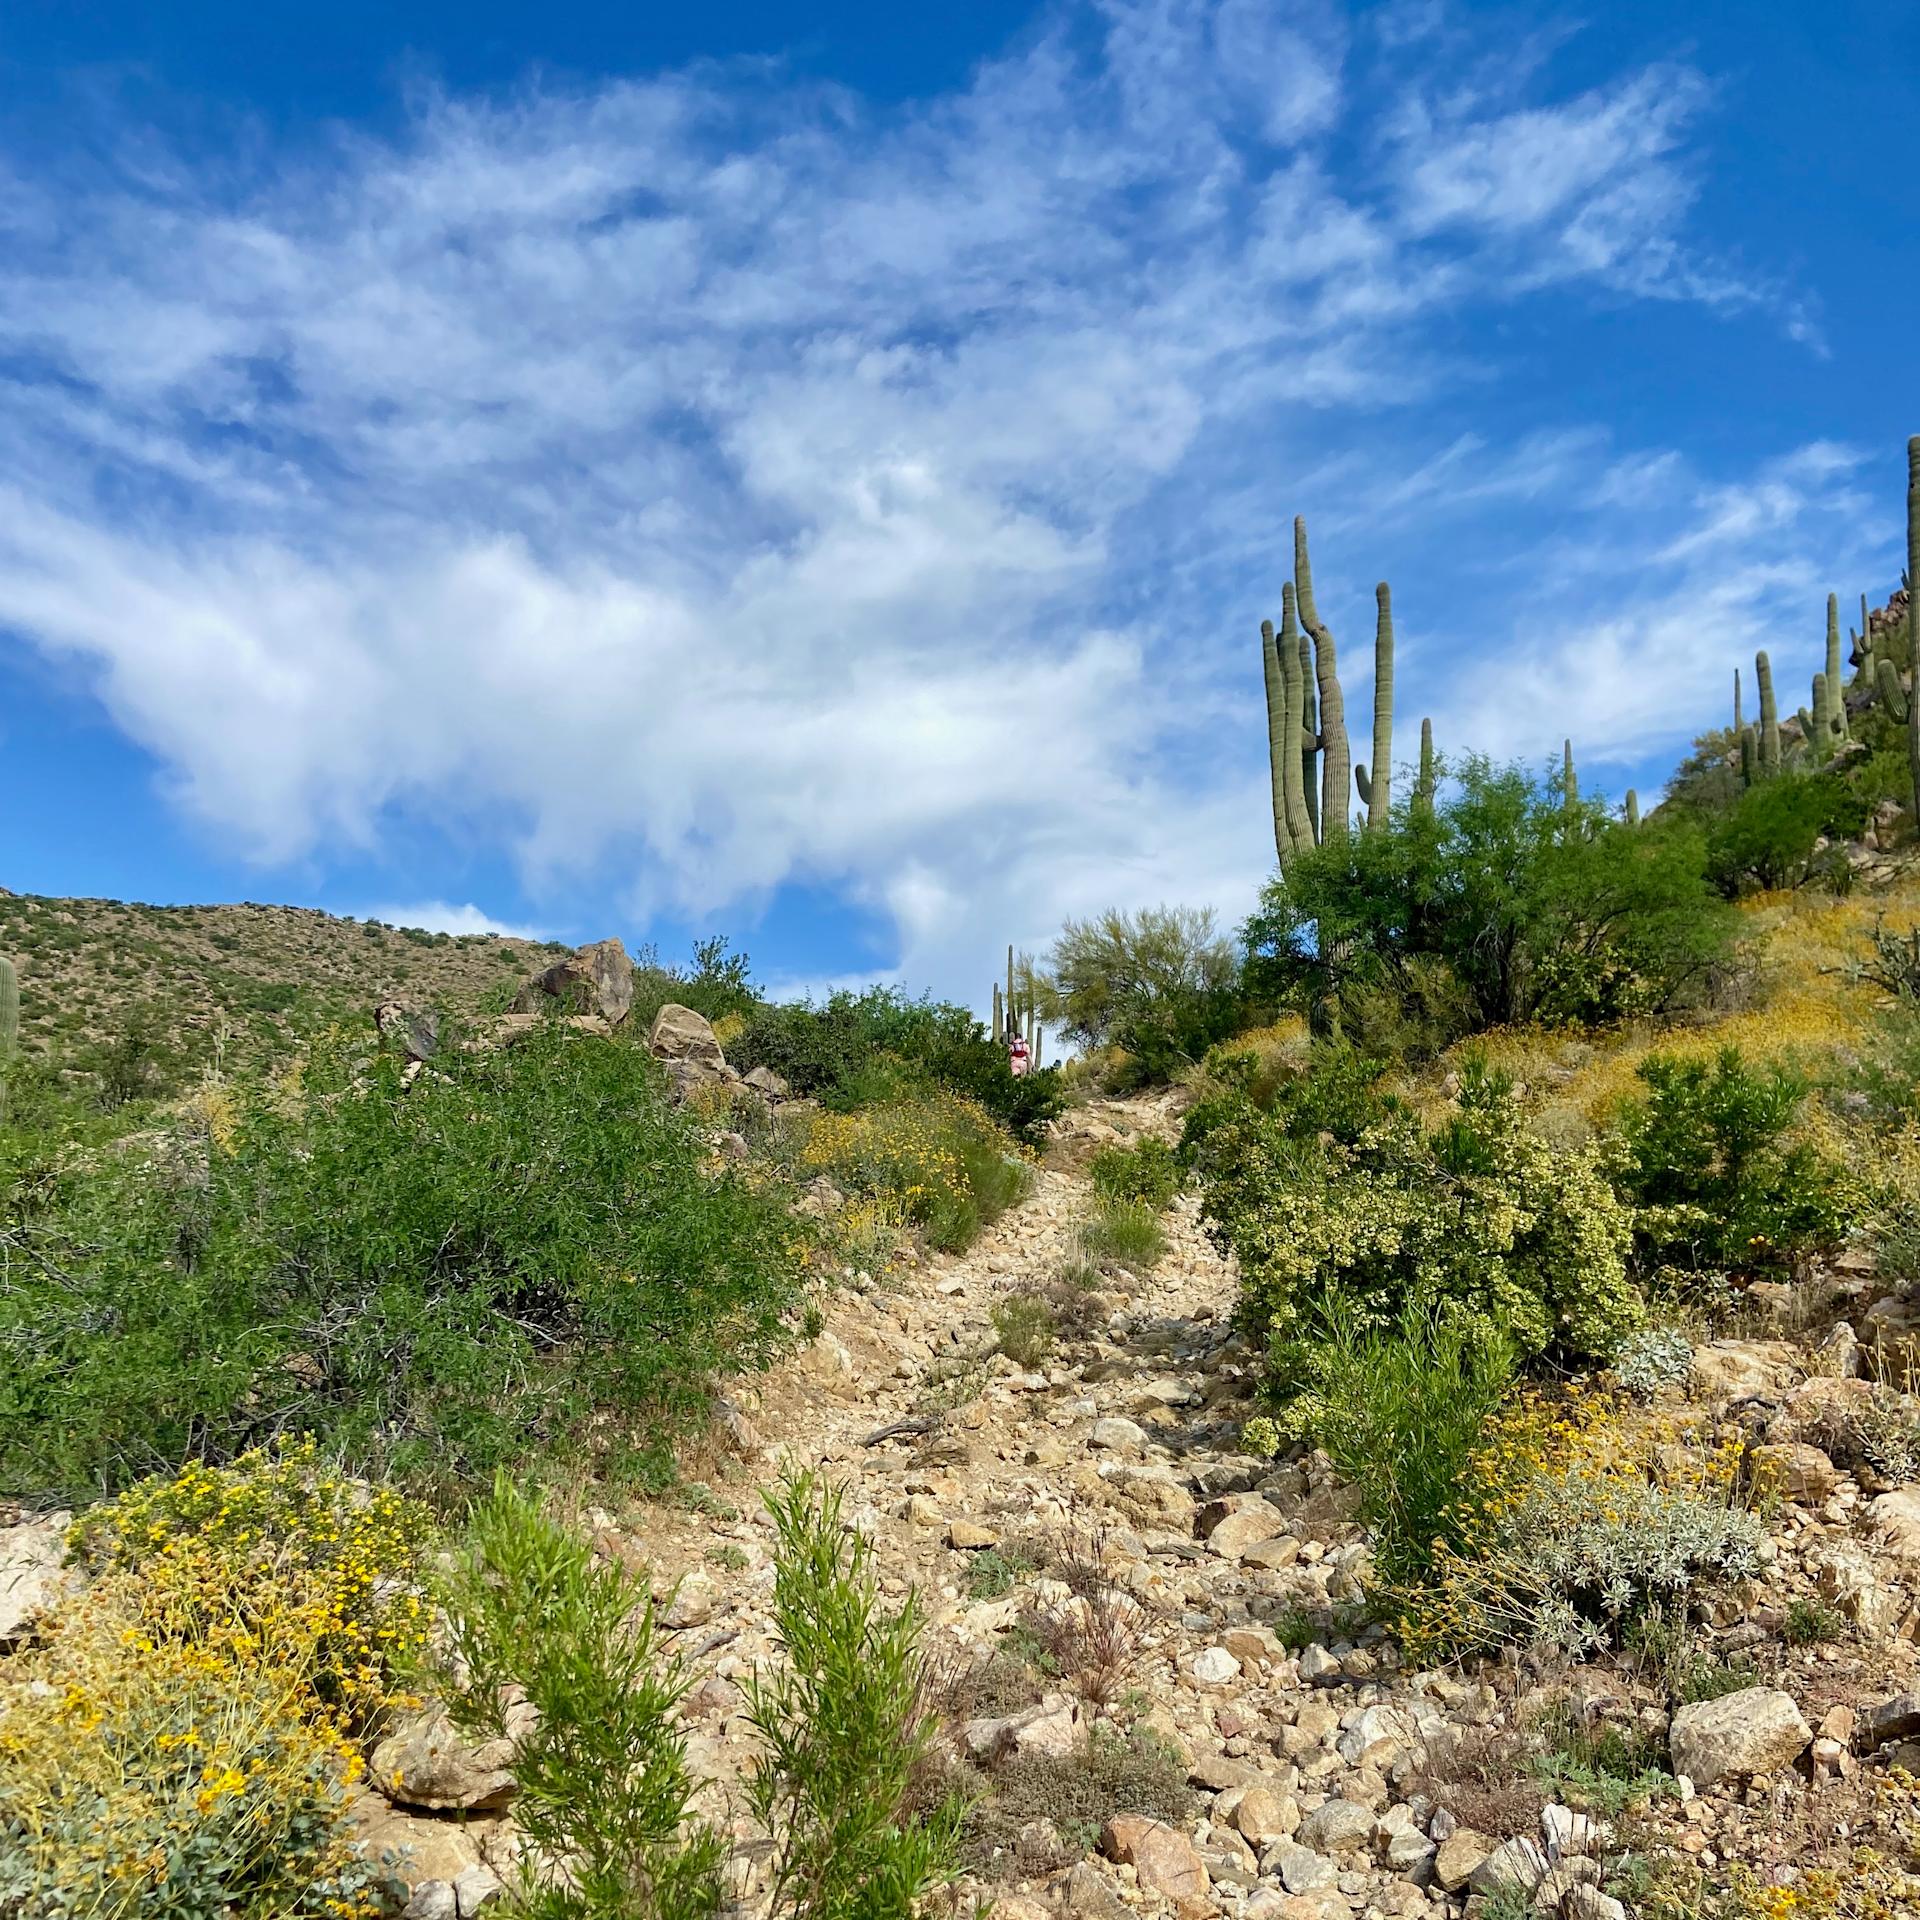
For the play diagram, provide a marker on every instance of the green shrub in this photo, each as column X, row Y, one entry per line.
column 1478, row 1220
column 438, row 1277
column 1717, row 1179
column 1123, row 1233
column 1809, row 1623
column 1498, row 905
column 1601, row 1767
column 854, row 1049
column 1401, row 1414
column 997, row 1571
column 1161, row 985
column 937, row 1157
column 1147, row 1172
column 1770, row 837
column 848, row 1742
column 604, row 1801
column 1023, row 1324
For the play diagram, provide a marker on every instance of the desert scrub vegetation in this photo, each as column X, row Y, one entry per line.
column 1346, row 1203
column 605, row 1790
column 938, row 1158
column 431, row 1279
column 1402, row 1413
column 1501, row 899
column 1151, row 991
column 276, row 1550
column 1147, row 1173
column 181, row 1739
column 1571, row 1522
column 845, row 1781
column 1719, row 1174
column 857, row 1050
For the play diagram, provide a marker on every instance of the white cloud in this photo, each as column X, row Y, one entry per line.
column 442, row 916
column 708, row 483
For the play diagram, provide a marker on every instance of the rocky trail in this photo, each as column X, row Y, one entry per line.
column 1210, row 1602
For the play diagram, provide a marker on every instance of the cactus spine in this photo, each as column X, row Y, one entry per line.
column 1769, row 715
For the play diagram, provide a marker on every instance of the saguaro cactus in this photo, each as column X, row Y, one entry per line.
column 1739, row 723
column 1769, row 715
column 1836, row 686
column 1569, row 782
column 1376, row 781
column 1310, row 763
column 1749, row 757
column 1913, row 618
column 1423, row 786
column 1633, row 808
column 9, row 1027
column 1336, row 758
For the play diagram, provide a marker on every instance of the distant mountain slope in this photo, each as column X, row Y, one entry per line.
column 241, row 982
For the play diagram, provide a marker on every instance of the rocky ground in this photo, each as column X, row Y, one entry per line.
column 1150, row 1645
column 1209, row 1607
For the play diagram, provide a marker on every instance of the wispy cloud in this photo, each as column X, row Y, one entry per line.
column 442, row 916
column 711, row 482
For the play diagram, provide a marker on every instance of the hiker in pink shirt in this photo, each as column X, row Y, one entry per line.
column 1017, row 1054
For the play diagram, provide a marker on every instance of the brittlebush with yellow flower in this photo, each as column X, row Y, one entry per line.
column 1576, row 1516
column 940, row 1160
column 182, row 1742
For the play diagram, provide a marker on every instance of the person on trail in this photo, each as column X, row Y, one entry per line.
column 1017, row 1054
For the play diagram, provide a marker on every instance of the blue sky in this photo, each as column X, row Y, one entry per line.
column 818, row 473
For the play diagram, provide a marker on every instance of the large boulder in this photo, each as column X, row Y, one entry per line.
column 678, row 1033
column 1757, row 1730
column 1896, row 1521
column 426, row 1762
column 34, row 1575
column 1163, row 1859
column 596, row 979
column 412, row 1031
